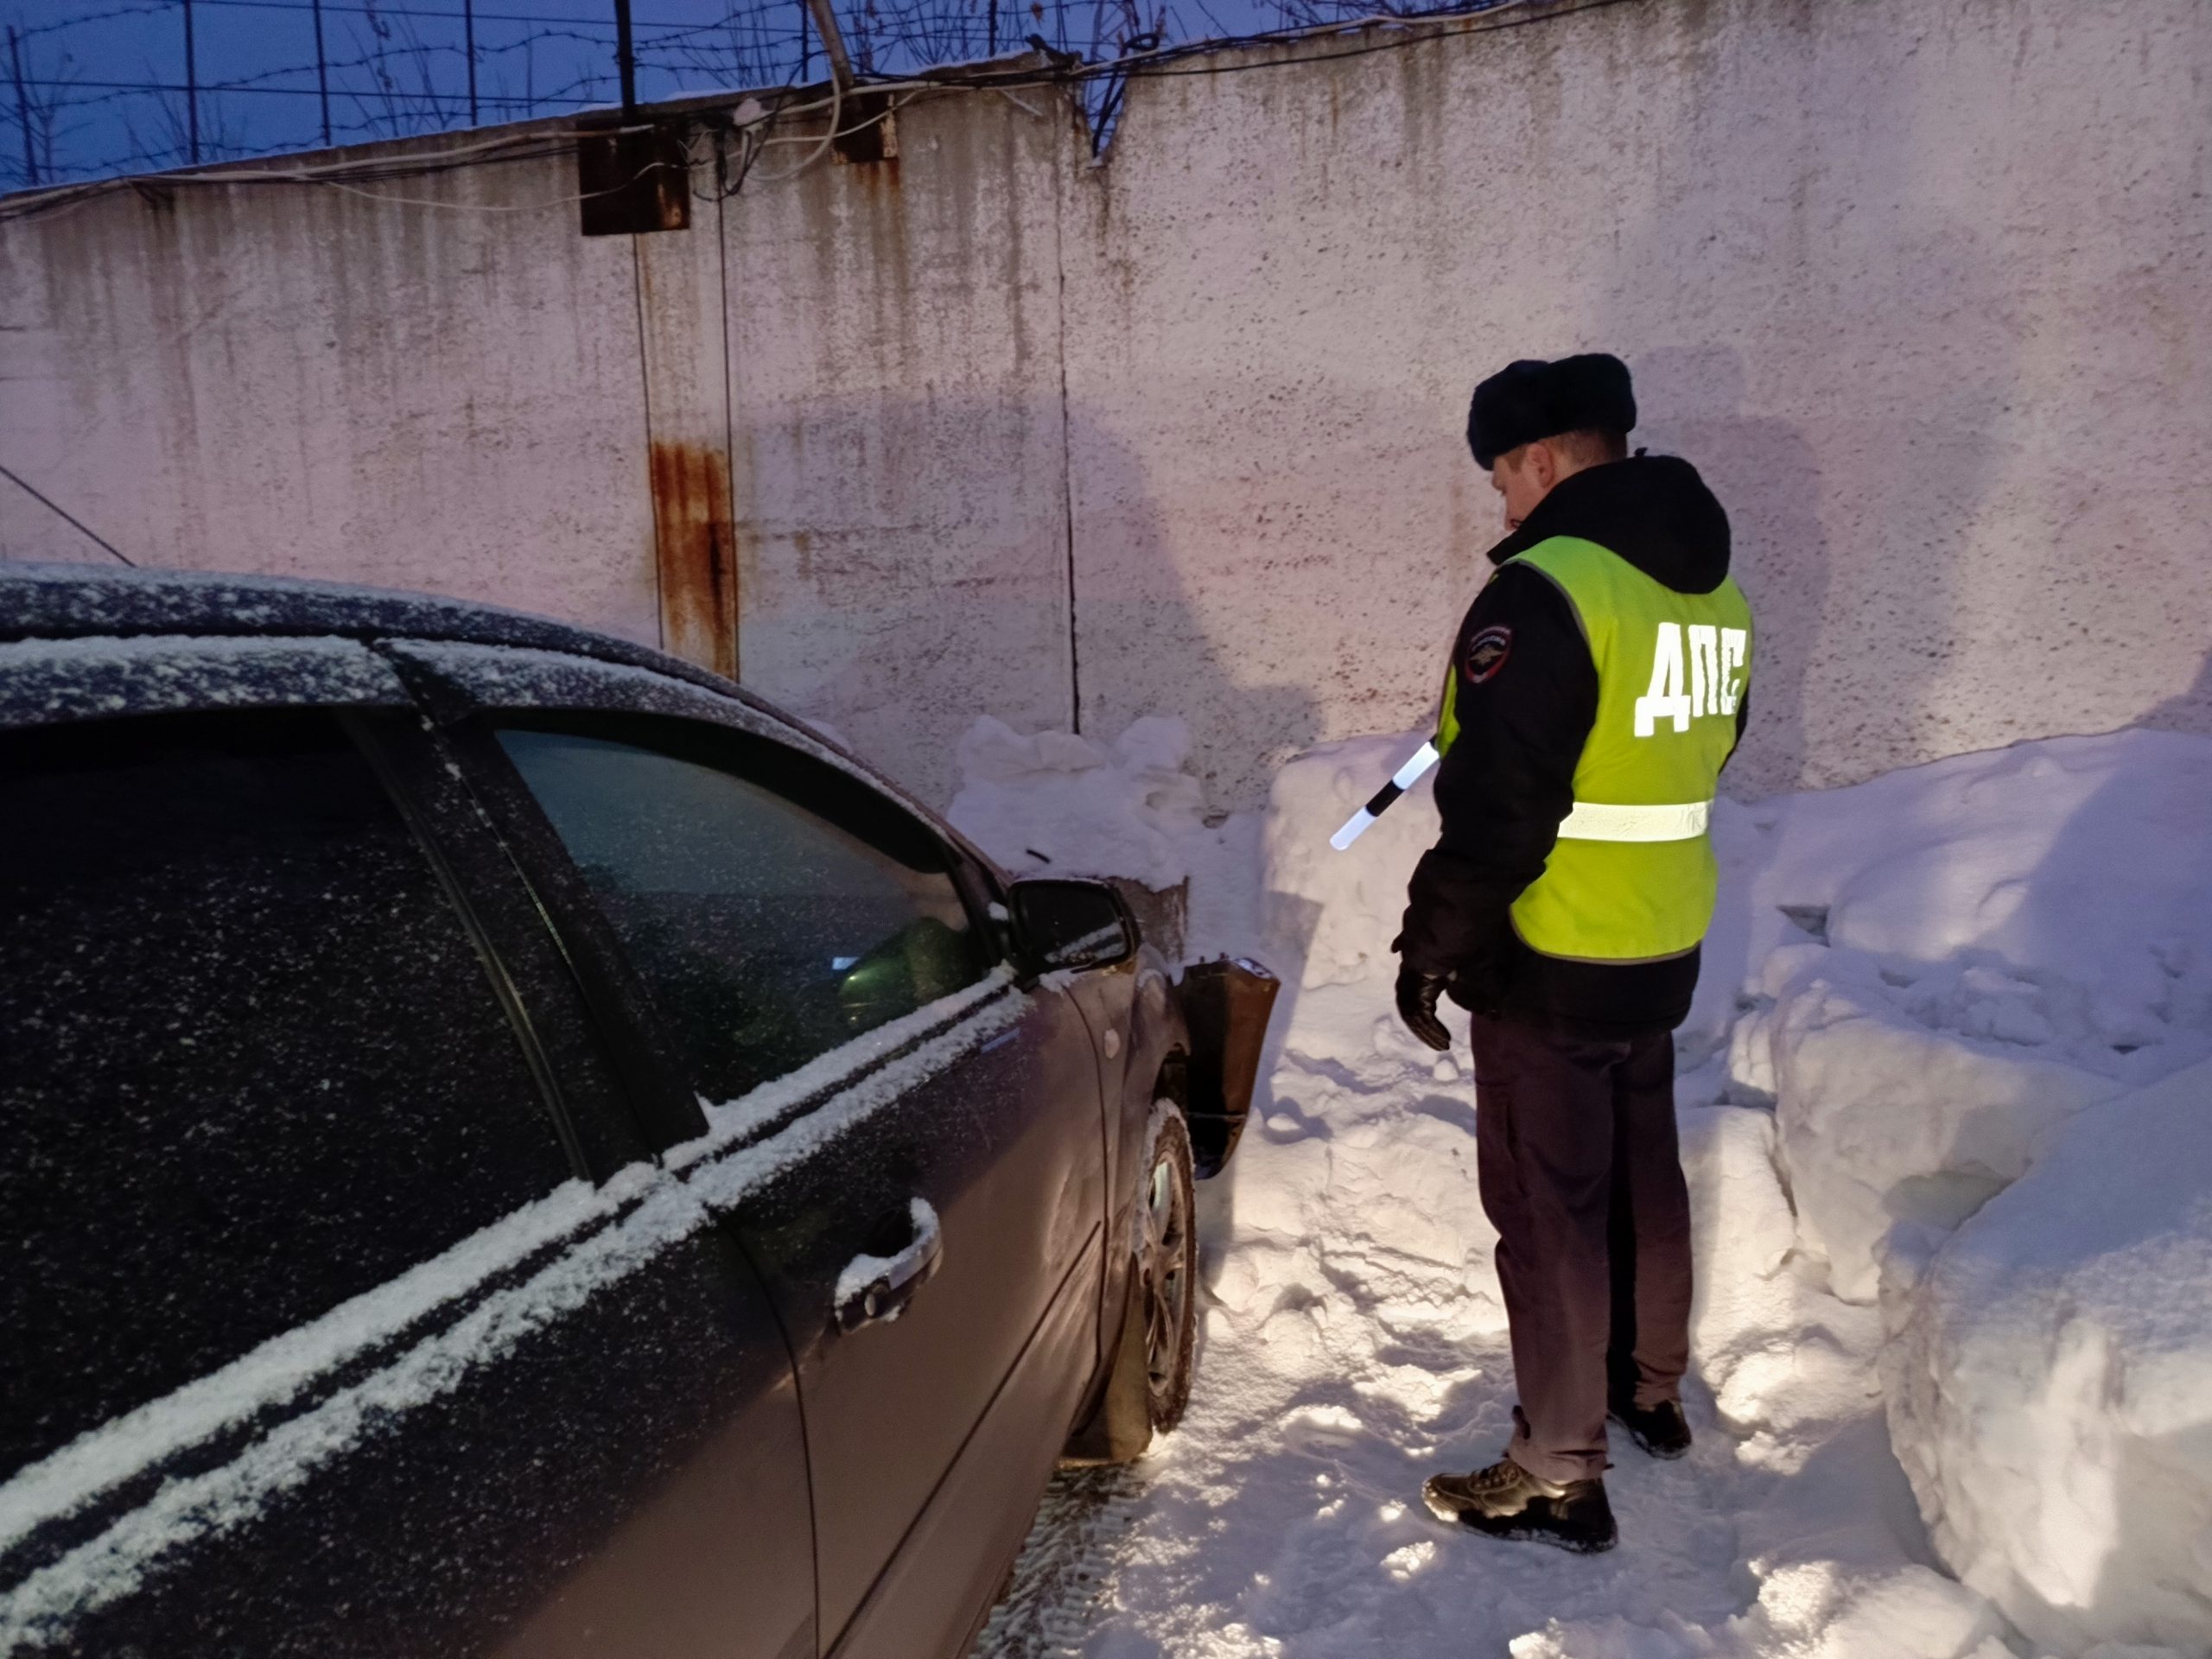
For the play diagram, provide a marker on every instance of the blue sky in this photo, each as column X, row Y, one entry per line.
column 103, row 79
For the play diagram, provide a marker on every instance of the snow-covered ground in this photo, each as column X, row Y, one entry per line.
column 1949, row 1138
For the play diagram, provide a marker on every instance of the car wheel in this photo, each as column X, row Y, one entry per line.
column 1167, row 1265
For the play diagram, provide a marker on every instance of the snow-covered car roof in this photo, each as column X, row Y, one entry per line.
column 78, row 602
column 62, row 601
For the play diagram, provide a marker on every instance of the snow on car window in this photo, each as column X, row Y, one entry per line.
column 610, row 1234
column 254, row 1067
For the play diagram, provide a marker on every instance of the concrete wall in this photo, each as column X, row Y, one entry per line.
column 899, row 448
column 312, row 382
column 1920, row 285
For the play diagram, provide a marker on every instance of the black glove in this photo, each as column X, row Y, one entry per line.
column 1417, row 995
column 1479, row 986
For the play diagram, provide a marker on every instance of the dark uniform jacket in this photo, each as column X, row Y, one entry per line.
column 1508, row 781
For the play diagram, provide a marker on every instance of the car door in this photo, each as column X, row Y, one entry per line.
column 343, row 1315
column 912, row 1142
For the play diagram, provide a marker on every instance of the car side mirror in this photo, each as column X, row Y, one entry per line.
column 1060, row 924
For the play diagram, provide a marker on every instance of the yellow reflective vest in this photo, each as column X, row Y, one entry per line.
column 1632, row 876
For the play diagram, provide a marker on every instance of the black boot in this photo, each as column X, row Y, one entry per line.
column 1662, row 1430
column 1506, row 1501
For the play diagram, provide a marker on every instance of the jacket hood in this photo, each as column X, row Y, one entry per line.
column 1654, row 511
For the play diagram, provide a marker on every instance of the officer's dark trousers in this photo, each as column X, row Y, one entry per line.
column 1582, row 1177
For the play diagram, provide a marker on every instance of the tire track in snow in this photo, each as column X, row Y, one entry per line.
column 1059, row 1591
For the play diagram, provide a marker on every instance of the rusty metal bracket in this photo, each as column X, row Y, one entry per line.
column 633, row 179
column 868, row 131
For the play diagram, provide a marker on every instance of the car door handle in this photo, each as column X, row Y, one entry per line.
column 876, row 1288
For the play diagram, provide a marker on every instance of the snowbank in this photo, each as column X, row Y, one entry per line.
column 1355, row 1341
column 2051, row 1381
column 1055, row 801
column 1940, row 966
column 1929, row 1005
column 1882, row 1119
column 1335, row 913
column 1952, row 978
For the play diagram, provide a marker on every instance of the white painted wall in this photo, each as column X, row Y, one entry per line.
column 899, row 466
column 1924, row 288
column 1921, row 284
column 311, row 383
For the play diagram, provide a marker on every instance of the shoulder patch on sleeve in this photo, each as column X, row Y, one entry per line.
column 1485, row 654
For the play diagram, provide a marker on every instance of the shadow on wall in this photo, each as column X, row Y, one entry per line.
column 1857, row 595
column 2191, row 711
column 1141, row 645
column 1142, row 649
column 1764, row 471
column 904, row 570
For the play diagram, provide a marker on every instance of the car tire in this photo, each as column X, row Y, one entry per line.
column 1168, row 1269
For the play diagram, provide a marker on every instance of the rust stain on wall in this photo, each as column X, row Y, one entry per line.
column 696, row 540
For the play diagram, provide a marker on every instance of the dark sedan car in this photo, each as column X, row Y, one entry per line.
column 510, row 1145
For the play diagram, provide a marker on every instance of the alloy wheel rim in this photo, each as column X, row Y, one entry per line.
column 1167, row 1280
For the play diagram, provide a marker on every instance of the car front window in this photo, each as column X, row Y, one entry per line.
column 772, row 917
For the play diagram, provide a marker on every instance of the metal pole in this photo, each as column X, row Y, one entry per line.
column 833, row 43
column 625, row 59
column 805, row 41
column 191, row 88
column 23, row 107
column 322, row 73
column 468, row 34
column 992, row 8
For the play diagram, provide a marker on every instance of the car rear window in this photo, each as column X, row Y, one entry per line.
column 250, row 1063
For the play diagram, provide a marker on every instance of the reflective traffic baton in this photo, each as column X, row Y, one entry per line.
column 1403, row 779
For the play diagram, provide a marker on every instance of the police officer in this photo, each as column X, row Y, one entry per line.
column 1596, row 689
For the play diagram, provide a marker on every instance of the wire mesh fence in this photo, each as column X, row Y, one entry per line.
column 96, row 92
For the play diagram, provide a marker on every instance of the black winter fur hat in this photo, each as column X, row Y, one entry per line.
column 1533, row 399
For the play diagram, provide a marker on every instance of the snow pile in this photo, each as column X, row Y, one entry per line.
column 1884, row 1119
column 1951, row 977
column 1945, row 964
column 1943, row 985
column 1054, row 801
column 1335, row 913
column 2077, row 866
column 2050, row 1381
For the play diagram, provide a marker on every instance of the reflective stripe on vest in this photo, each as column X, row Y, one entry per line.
column 1631, row 877
column 1591, row 821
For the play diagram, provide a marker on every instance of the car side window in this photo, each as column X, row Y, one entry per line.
column 775, row 906
column 251, row 1064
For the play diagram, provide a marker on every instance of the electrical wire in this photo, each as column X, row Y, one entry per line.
column 67, row 517
column 828, row 137
column 1397, row 32
column 487, row 207
column 344, row 8
column 33, row 30
column 1440, row 25
column 231, row 89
